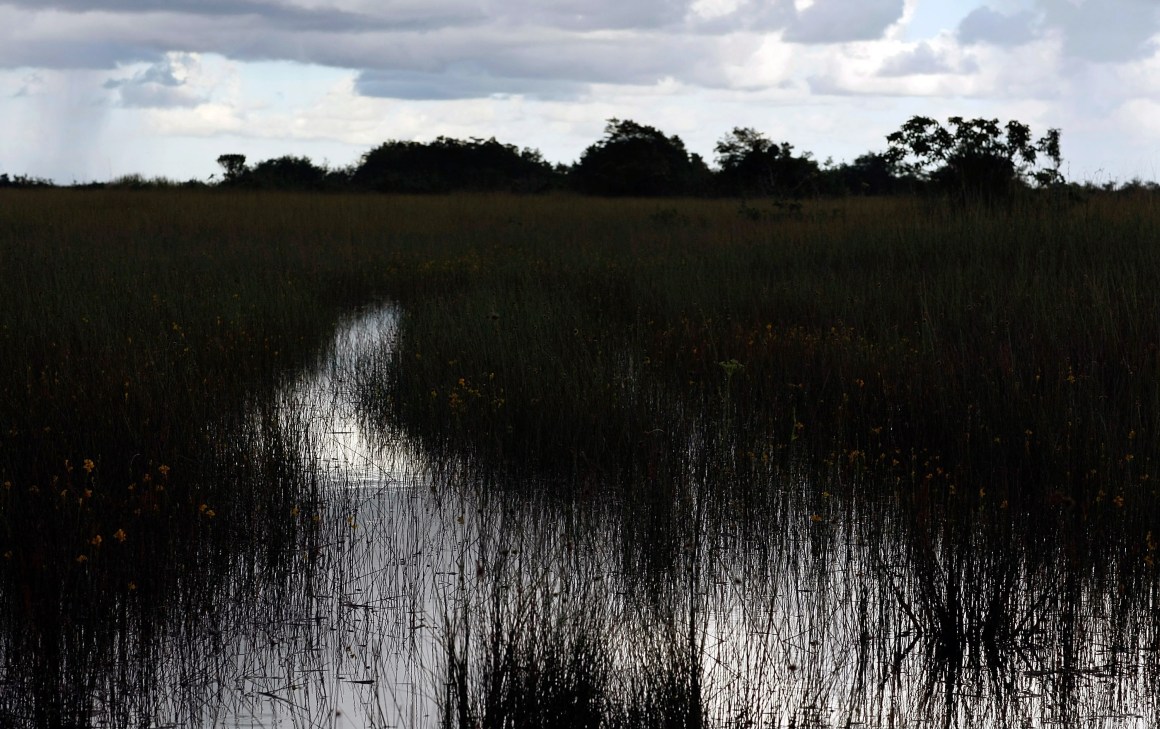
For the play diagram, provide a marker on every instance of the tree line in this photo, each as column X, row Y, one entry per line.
column 970, row 158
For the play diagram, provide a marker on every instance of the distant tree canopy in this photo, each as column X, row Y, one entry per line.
column 752, row 164
column 450, row 165
column 233, row 167
column 975, row 158
column 968, row 160
column 872, row 173
column 24, row 181
column 634, row 159
column 287, row 173
column 281, row 173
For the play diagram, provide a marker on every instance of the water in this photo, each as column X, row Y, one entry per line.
column 429, row 594
column 783, row 618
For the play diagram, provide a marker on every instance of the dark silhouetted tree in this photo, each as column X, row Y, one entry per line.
column 450, row 165
column 634, row 159
column 976, row 159
column 233, row 167
column 752, row 164
column 286, row 173
column 24, row 181
column 873, row 173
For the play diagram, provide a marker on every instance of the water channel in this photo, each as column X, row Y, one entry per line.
column 437, row 602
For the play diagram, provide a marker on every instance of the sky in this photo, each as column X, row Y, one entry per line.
column 96, row 89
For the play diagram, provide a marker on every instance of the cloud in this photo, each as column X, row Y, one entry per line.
column 446, row 65
column 1104, row 31
column 551, row 51
column 162, row 84
column 986, row 26
column 923, row 59
column 69, row 53
column 461, row 81
column 591, row 15
column 31, row 84
column 841, row 21
column 276, row 14
column 58, row 121
column 549, row 65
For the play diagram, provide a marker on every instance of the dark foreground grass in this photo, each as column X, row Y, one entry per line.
column 1006, row 353
column 992, row 372
column 141, row 464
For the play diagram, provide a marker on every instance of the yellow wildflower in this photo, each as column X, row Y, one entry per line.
column 89, row 465
column 96, row 541
column 119, row 535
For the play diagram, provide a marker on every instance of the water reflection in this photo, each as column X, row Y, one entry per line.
column 464, row 600
column 411, row 594
column 349, row 452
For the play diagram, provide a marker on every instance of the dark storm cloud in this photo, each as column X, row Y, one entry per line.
column 565, row 70
column 984, row 25
column 589, row 15
column 279, row 15
column 437, row 49
column 463, row 82
column 840, row 21
column 66, row 53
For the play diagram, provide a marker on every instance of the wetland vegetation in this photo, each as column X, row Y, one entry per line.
column 501, row 461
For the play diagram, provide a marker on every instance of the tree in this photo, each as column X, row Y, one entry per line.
column 449, row 165
column 286, row 173
column 24, row 181
column 634, row 159
column 752, row 164
column 233, row 166
column 872, row 173
column 976, row 159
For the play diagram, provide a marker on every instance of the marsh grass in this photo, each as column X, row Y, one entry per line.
column 553, row 619
column 759, row 444
column 141, row 469
column 993, row 360
column 1012, row 346
column 981, row 379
